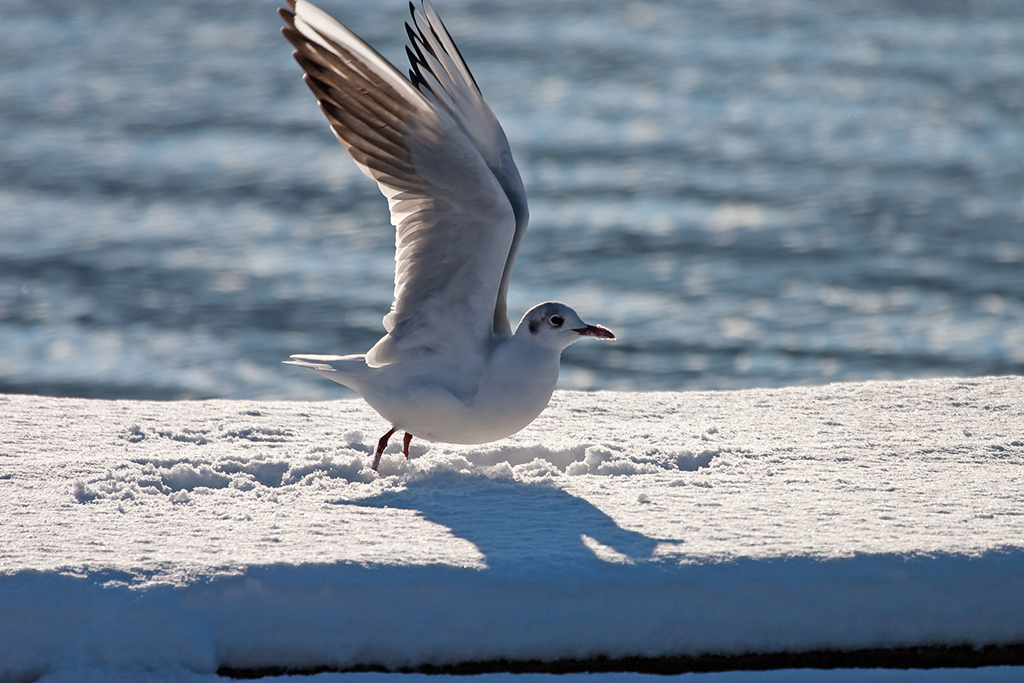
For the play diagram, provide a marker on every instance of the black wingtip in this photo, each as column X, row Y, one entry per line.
column 414, row 73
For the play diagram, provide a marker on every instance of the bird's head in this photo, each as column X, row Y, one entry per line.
column 556, row 326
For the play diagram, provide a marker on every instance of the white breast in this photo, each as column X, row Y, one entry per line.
column 511, row 390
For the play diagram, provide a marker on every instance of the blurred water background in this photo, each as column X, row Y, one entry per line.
column 750, row 193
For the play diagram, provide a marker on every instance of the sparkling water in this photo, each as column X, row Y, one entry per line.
column 749, row 193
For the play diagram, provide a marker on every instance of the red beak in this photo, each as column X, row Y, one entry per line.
column 595, row 331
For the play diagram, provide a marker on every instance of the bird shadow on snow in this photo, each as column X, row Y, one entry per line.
column 519, row 526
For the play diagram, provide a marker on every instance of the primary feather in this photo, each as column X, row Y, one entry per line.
column 440, row 157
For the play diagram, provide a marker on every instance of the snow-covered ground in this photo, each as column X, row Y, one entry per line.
column 170, row 539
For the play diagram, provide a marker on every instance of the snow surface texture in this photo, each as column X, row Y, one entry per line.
column 251, row 534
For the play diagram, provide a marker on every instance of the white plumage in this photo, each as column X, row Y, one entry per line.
column 449, row 368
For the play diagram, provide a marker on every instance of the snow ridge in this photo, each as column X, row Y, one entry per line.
column 248, row 534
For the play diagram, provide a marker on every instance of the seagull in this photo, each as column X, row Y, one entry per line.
column 449, row 368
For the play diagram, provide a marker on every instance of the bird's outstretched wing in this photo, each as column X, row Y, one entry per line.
column 439, row 71
column 441, row 159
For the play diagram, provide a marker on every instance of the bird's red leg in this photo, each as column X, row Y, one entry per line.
column 381, row 445
column 406, row 440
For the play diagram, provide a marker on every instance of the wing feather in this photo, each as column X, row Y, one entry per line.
column 439, row 71
column 456, row 224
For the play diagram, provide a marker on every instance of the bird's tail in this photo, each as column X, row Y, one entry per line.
column 342, row 369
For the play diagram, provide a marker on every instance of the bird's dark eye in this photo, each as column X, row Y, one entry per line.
column 556, row 320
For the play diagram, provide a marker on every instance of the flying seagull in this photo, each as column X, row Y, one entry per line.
column 449, row 368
